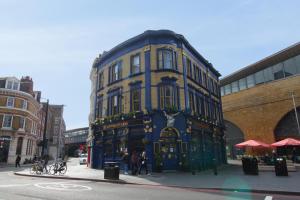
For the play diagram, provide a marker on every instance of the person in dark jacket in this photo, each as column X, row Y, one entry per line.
column 18, row 160
column 134, row 163
column 143, row 163
column 125, row 159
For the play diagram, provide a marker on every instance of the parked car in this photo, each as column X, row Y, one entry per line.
column 83, row 158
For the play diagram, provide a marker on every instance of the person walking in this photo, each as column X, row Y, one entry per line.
column 45, row 163
column 134, row 163
column 125, row 159
column 143, row 162
column 18, row 160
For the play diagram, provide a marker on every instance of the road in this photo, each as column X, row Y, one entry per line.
column 23, row 188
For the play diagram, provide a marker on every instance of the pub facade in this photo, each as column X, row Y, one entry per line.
column 156, row 93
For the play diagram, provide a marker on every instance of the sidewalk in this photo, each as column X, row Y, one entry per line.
column 230, row 177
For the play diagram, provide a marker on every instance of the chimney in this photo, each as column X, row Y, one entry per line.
column 26, row 85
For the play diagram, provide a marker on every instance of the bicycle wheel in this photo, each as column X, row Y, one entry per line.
column 63, row 170
column 52, row 170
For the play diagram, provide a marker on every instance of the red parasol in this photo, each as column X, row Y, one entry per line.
column 252, row 143
column 286, row 142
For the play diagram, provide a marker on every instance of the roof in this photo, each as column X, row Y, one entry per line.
column 154, row 34
column 273, row 59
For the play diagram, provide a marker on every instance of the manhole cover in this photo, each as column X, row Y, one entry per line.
column 62, row 186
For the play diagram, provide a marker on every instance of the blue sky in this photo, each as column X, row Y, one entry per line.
column 55, row 42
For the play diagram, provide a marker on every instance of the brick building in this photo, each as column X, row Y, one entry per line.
column 21, row 119
column 155, row 92
column 55, row 131
column 259, row 100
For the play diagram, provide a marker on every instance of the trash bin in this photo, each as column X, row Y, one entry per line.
column 111, row 170
column 280, row 167
column 250, row 166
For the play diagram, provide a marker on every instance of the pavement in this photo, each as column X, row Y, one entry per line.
column 230, row 178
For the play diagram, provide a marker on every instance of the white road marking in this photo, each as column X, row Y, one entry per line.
column 13, row 185
column 268, row 198
column 63, row 186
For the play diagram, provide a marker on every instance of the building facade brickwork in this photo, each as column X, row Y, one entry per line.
column 259, row 101
column 21, row 119
column 156, row 93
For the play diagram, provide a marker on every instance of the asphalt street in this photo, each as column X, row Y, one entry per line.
column 22, row 188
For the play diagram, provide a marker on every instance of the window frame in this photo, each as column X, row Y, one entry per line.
column 133, row 101
column 11, row 121
column 13, row 102
column 161, row 65
column 174, row 95
column 133, row 66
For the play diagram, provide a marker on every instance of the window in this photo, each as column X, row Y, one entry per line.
column 12, row 84
column 198, row 104
column 100, row 107
column 242, row 84
column 196, row 73
column 167, row 59
column 297, row 60
column 204, row 79
column 278, row 71
column 114, row 104
column 24, row 104
column 250, row 81
column 10, row 102
column 135, row 64
column 191, row 101
column 222, row 91
column 290, row 67
column 234, row 86
column 268, row 74
column 19, row 146
column 22, row 123
column 136, row 99
column 101, row 80
column 7, row 121
column 115, row 72
column 259, row 77
column 189, row 67
column 227, row 89
column 168, row 96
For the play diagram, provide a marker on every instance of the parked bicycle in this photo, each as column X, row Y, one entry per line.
column 37, row 168
column 59, row 167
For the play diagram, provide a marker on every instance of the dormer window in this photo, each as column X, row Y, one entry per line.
column 12, row 84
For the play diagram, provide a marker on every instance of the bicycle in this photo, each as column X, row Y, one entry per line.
column 37, row 168
column 59, row 167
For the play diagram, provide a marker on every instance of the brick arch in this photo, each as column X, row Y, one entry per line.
column 287, row 125
column 234, row 135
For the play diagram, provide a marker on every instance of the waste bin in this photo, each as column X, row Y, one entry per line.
column 280, row 167
column 111, row 170
column 250, row 165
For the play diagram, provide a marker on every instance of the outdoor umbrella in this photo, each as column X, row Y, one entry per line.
column 252, row 143
column 286, row 142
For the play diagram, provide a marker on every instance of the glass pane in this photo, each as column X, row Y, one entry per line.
column 167, row 59
column 227, row 89
column 16, row 84
column 250, row 81
column 268, row 74
column 242, row 84
column 259, row 77
column 160, row 59
column 297, row 60
column 222, row 91
column 9, row 85
column 290, row 67
column 234, row 86
column 278, row 71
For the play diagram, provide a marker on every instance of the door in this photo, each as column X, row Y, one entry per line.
column 169, row 150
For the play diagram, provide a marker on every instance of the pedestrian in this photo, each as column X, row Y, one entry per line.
column 45, row 163
column 125, row 159
column 143, row 162
column 294, row 155
column 134, row 163
column 18, row 160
